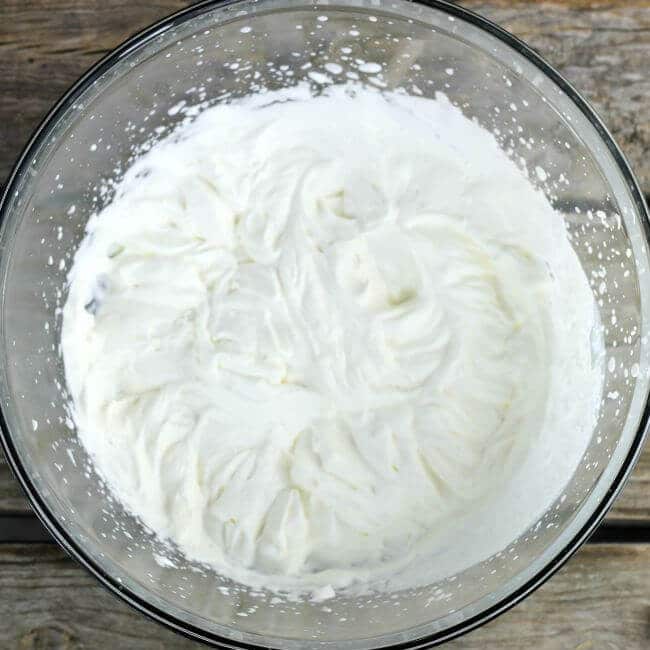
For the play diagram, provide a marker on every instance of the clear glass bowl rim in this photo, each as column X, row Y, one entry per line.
column 65, row 540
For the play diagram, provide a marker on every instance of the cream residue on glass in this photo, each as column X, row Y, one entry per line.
column 309, row 335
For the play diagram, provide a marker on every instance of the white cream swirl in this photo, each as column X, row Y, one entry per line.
column 306, row 333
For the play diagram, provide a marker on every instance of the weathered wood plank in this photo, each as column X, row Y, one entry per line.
column 48, row 601
column 601, row 599
column 634, row 501
column 633, row 504
column 12, row 499
column 46, row 45
column 603, row 48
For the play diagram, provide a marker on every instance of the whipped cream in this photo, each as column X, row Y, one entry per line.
column 310, row 333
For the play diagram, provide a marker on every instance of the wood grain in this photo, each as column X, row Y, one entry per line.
column 48, row 601
column 603, row 48
column 632, row 505
column 600, row 600
column 45, row 45
column 634, row 501
column 12, row 499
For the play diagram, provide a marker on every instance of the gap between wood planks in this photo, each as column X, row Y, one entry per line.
column 27, row 529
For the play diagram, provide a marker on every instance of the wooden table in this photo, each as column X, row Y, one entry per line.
column 600, row 600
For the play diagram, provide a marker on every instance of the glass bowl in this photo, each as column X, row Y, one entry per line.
column 213, row 52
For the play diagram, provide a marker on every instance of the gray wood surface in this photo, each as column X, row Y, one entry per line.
column 632, row 505
column 11, row 496
column 602, row 48
column 599, row 601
